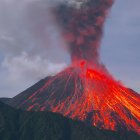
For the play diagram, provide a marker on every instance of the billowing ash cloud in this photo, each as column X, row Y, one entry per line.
column 82, row 25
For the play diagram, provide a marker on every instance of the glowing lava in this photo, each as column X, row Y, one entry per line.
column 83, row 93
column 85, row 90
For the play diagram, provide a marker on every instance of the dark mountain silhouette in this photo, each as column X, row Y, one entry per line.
column 4, row 100
column 23, row 125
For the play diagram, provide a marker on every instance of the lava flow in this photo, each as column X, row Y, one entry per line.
column 85, row 90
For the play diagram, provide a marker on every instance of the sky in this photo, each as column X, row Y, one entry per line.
column 29, row 40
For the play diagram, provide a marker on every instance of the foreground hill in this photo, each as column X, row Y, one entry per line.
column 23, row 125
column 4, row 100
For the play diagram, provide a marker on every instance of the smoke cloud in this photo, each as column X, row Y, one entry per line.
column 82, row 27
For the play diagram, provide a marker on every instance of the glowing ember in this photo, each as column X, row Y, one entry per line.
column 85, row 91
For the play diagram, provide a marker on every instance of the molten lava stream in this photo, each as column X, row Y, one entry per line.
column 106, row 101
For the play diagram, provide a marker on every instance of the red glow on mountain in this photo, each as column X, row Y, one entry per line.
column 85, row 90
column 89, row 95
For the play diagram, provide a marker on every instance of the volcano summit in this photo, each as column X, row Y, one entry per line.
column 85, row 90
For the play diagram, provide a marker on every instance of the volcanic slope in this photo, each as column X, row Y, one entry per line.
column 93, row 98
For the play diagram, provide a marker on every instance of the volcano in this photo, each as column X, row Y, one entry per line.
column 93, row 98
column 85, row 90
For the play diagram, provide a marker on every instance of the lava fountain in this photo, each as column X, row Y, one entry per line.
column 85, row 90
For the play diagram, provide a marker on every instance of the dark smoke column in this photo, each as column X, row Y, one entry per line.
column 83, row 27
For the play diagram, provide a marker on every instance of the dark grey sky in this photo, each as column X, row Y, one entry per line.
column 26, row 28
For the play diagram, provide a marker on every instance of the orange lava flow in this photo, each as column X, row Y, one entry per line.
column 91, row 96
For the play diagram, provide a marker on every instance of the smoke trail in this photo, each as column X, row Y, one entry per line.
column 82, row 24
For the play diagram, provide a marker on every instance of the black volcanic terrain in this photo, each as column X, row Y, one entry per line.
column 4, row 100
column 23, row 125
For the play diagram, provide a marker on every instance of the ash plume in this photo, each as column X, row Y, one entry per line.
column 82, row 23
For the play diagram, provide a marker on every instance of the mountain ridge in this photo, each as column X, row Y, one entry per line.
column 21, row 125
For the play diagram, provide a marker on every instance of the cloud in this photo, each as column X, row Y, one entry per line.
column 30, row 67
column 19, row 72
column 27, row 25
column 31, row 46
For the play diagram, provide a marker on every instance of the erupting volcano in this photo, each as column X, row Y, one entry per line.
column 85, row 90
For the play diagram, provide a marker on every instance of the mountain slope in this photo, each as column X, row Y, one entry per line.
column 105, row 104
column 22, row 125
column 4, row 100
column 25, row 94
